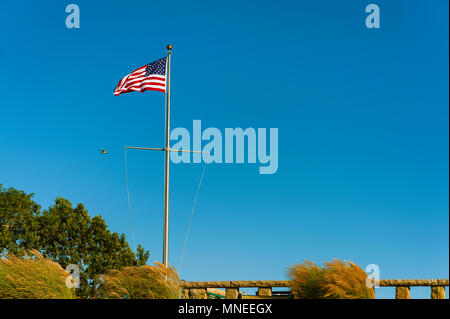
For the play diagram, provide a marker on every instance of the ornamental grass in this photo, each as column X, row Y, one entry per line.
column 145, row 282
column 334, row 280
column 33, row 277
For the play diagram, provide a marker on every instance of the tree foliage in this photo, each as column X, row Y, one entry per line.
column 18, row 223
column 65, row 234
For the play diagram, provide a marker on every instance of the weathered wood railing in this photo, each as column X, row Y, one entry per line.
column 198, row 289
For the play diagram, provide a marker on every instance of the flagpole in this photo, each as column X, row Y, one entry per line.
column 166, row 175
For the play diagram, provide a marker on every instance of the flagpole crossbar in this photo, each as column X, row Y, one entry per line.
column 163, row 149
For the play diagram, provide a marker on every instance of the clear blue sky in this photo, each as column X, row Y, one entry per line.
column 362, row 116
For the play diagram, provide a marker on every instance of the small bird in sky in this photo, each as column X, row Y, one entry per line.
column 104, row 152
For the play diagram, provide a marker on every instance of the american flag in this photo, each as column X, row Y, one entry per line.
column 149, row 77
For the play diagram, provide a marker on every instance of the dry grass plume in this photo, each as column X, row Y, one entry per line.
column 145, row 282
column 334, row 280
column 32, row 277
column 307, row 280
column 346, row 280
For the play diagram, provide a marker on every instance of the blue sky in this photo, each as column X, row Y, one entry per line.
column 362, row 116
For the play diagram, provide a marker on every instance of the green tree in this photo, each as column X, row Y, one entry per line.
column 67, row 235
column 18, row 225
column 70, row 236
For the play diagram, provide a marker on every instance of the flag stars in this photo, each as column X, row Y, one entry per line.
column 157, row 67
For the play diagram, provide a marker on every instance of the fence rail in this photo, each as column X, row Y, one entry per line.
column 198, row 289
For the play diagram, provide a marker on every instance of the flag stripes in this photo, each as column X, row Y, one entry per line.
column 149, row 77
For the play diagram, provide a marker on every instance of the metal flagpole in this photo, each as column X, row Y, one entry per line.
column 167, row 151
column 166, row 175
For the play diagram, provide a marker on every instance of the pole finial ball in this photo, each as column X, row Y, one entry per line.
column 169, row 47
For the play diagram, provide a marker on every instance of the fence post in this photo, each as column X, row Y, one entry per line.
column 231, row 293
column 402, row 293
column 264, row 292
column 185, row 293
column 438, row 292
column 198, row 293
